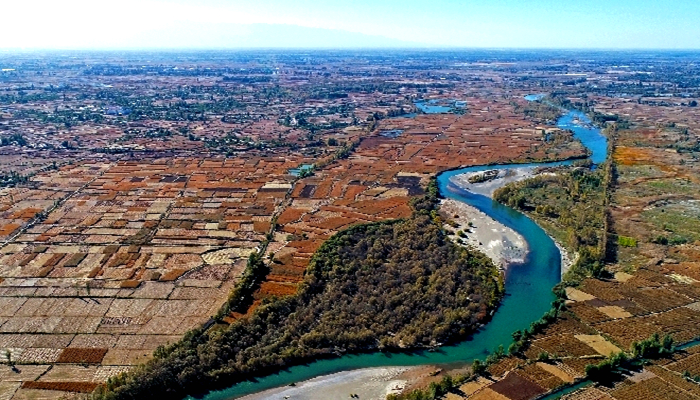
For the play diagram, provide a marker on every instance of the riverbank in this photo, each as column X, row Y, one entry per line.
column 367, row 383
column 370, row 383
column 567, row 259
column 501, row 244
column 501, row 254
column 486, row 188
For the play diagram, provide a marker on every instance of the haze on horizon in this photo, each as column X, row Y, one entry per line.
column 228, row 24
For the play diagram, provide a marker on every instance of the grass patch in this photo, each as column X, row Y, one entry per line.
column 626, row 241
column 677, row 222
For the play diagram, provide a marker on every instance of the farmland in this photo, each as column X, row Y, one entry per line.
column 138, row 191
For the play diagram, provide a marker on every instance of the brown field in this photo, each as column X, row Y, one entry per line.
column 588, row 394
column 540, row 376
column 74, row 355
column 472, row 387
column 516, row 387
column 561, row 345
column 557, row 371
column 80, row 387
column 504, row 365
column 652, row 389
column 599, row 344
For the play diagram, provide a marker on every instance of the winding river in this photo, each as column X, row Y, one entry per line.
column 528, row 285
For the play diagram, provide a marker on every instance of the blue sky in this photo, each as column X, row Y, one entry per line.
column 434, row 23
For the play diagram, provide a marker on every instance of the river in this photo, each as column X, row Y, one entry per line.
column 528, row 285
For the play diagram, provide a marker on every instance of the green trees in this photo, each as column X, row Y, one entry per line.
column 653, row 347
column 626, row 241
column 570, row 205
column 478, row 367
column 15, row 138
column 246, row 286
column 538, row 110
column 608, row 370
column 12, row 178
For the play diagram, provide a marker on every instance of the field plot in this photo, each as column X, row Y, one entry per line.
column 588, row 394
column 21, row 206
column 516, row 387
column 492, row 133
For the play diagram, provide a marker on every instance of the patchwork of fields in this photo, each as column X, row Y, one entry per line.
column 134, row 188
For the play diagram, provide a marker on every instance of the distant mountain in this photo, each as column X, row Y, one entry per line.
column 233, row 36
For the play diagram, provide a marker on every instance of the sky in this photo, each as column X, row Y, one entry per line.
column 133, row 24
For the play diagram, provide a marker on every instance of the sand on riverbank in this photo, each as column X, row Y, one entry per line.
column 504, row 177
column 487, row 188
column 566, row 259
column 501, row 244
column 368, row 383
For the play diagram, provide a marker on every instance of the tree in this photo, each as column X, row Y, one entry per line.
column 478, row 367
column 10, row 362
column 653, row 347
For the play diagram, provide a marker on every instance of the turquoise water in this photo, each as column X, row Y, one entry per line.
column 430, row 109
column 439, row 106
column 528, row 288
column 302, row 167
column 394, row 133
column 587, row 133
column 409, row 115
column 688, row 345
column 583, row 128
column 567, row 390
column 534, row 97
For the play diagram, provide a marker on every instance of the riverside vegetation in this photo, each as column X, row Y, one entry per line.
column 385, row 286
column 571, row 207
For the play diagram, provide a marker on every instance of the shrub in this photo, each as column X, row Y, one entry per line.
column 625, row 241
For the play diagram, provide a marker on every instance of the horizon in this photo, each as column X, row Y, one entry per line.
column 346, row 49
column 358, row 24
